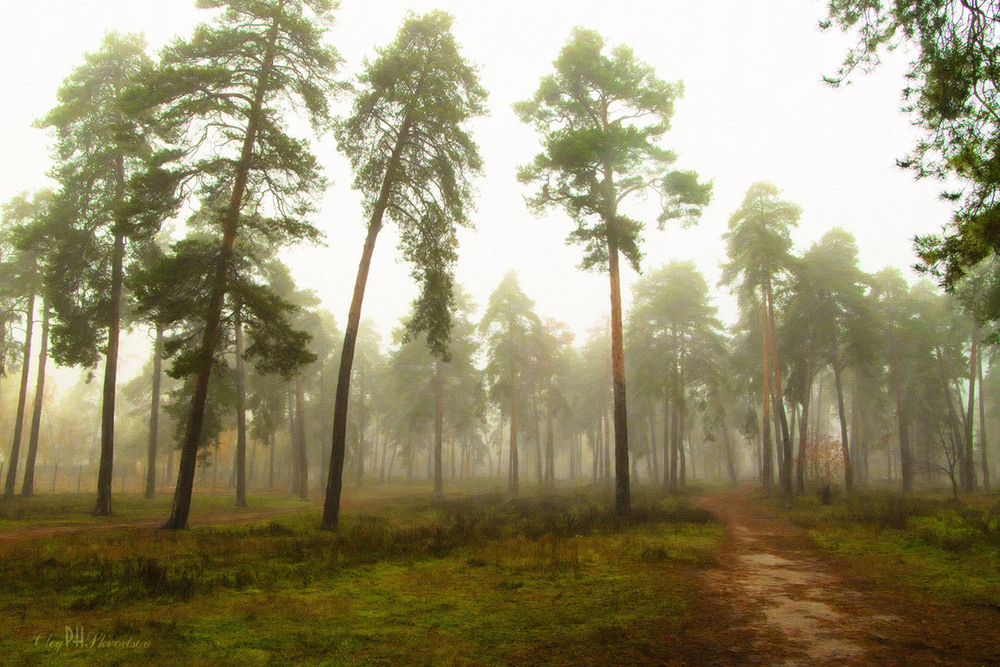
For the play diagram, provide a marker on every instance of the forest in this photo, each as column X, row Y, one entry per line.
column 811, row 479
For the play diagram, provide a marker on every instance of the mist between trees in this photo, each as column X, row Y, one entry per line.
column 831, row 378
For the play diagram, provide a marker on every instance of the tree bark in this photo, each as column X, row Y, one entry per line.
column 28, row 484
column 154, row 414
column 300, row 438
column 767, row 455
column 334, row 485
column 22, row 399
column 800, row 465
column 623, row 499
column 210, row 337
column 438, row 429
column 550, row 452
column 241, row 415
column 982, row 424
column 969, row 461
column 779, row 402
column 106, row 470
column 512, row 462
column 666, row 439
column 844, row 446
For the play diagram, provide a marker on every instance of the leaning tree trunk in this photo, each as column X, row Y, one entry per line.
column 28, row 485
column 334, row 485
column 210, row 336
column 241, row 414
column 22, row 398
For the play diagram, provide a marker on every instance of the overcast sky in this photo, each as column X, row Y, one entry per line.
column 754, row 108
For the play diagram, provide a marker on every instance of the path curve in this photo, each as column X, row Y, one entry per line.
column 798, row 606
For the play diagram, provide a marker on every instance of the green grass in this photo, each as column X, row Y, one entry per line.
column 936, row 548
column 471, row 579
column 17, row 513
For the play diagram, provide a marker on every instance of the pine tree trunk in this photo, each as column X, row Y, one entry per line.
column 270, row 463
column 106, row 470
column 982, row 424
column 666, row 439
column 550, row 450
column 767, row 454
column 27, row 486
column 681, row 428
column 779, row 403
column 969, row 461
column 539, row 473
column 230, row 223
column 300, row 438
column 295, row 467
column 22, row 399
column 844, row 445
column 675, row 439
column 512, row 477
column 154, row 414
column 438, row 428
column 623, row 498
column 334, row 485
column 654, row 458
column 241, row 414
column 730, row 459
column 800, row 465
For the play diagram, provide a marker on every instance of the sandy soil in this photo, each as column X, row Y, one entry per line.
column 786, row 603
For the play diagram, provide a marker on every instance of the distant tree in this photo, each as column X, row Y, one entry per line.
column 117, row 188
column 672, row 313
column 256, row 323
column 903, row 335
column 508, row 325
column 412, row 159
column 25, row 249
column 224, row 87
column 601, row 117
column 759, row 247
column 827, row 305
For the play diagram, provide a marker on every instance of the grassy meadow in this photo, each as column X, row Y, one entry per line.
column 477, row 577
column 935, row 548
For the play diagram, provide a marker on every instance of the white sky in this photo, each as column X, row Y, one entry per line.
column 754, row 108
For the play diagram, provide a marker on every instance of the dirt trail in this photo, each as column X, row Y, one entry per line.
column 790, row 604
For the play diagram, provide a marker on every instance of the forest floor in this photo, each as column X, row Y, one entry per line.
column 488, row 579
column 787, row 602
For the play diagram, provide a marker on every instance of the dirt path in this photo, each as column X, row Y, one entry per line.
column 786, row 603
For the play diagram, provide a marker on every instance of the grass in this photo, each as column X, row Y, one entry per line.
column 476, row 578
column 18, row 513
column 936, row 548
